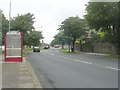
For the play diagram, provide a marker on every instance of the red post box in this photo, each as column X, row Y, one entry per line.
column 13, row 46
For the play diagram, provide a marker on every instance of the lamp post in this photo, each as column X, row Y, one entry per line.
column 9, row 15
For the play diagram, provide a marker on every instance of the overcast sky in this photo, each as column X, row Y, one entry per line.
column 48, row 13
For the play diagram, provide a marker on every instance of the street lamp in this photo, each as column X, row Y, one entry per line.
column 9, row 15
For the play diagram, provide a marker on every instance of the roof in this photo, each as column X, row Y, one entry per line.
column 13, row 32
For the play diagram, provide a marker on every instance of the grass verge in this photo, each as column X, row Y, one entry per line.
column 26, row 51
column 113, row 56
column 109, row 56
column 65, row 50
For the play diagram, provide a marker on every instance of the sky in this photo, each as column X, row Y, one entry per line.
column 49, row 14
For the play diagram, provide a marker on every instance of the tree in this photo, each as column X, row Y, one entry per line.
column 54, row 41
column 4, row 25
column 23, row 23
column 104, row 17
column 73, row 27
column 33, row 38
column 60, row 38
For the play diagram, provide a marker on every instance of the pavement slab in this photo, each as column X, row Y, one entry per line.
column 19, row 75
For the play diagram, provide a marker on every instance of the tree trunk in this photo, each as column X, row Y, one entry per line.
column 73, row 43
column 80, row 45
column 69, row 47
column 117, row 48
column 62, row 45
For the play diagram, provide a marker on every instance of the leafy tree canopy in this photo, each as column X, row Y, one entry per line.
column 23, row 23
column 73, row 28
column 33, row 38
column 104, row 16
column 3, row 25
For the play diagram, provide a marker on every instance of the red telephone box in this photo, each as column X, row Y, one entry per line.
column 13, row 46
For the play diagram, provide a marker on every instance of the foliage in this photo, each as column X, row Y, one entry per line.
column 54, row 42
column 4, row 25
column 97, row 37
column 65, row 50
column 33, row 38
column 59, row 39
column 26, row 50
column 104, row 16
column 73, row 28
column 23, row 23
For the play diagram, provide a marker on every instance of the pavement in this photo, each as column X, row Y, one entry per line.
column 91, row 53
column 18, row 75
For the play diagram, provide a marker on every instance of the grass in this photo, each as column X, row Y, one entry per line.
column 65, row 50
column 113, row 56
column 26, row 51
column 109, row 56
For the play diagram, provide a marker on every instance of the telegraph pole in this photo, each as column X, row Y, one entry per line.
column 10, row 15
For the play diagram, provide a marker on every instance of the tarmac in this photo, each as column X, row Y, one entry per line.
column 18, row 75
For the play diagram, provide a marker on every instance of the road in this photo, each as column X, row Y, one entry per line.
column 84, row 70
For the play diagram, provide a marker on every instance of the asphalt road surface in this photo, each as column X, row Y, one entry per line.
column 83, row 70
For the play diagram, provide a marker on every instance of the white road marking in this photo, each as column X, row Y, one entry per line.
column 86, row 62
column 113, row 68
column 82, row 61
column 76, row 60
column 52, row 54
column 92, row 63
column 62, row 56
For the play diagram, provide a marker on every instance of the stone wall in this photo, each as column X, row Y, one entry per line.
column 106, row 48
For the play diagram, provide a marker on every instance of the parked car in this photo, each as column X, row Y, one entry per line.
column 36, row 49
column 46, row 47
column 56, row 46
